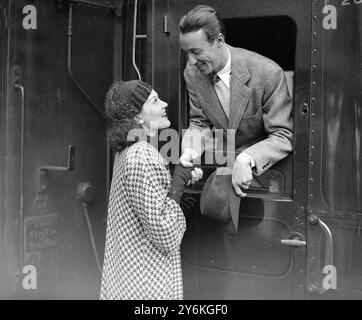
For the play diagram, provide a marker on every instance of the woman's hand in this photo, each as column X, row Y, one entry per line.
column 196, row 175
column 181, row 178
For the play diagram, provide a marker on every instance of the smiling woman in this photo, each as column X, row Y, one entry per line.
column 145, row 224
column 125, row 113
column 120, row 112
column 154, row 115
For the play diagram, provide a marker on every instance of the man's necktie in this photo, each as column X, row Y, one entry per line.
column 214, row 78
column 222, row 91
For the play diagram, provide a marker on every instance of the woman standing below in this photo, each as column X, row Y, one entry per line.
column 145, row 225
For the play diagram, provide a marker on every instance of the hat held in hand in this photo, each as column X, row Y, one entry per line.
column 218, row 198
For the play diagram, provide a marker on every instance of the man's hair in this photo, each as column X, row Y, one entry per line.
column 205, row 18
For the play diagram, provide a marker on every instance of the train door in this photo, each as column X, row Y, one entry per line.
column 267, row 258
column 335, row 166
column 54, row 181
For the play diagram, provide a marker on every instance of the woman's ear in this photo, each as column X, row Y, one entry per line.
column 139, row 119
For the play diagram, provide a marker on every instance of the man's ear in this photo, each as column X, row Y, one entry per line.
column 220, row 39
column 139, row 119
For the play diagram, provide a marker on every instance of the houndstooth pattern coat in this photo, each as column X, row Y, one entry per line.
column 144, row 229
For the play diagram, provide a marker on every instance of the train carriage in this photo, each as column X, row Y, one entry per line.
column 299, row 227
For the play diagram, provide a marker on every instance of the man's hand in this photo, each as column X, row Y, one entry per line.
column 187, row 156
column 242, row 174
column 196, row 175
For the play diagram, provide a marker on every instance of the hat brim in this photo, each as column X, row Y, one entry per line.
column 233, row 200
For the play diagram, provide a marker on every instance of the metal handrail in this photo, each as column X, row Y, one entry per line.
column 135, row 37
column 328, row 251
column 17, row 86
column 328, row 254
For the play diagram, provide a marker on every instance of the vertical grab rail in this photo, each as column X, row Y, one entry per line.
column 17, row 86
column 135, row 37
column 328, row 254
column 328, row 251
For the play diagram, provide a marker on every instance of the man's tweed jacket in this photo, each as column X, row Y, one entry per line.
column 260, row 108
column 144, row 229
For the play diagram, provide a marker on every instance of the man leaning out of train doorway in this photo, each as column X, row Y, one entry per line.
column 233, row 88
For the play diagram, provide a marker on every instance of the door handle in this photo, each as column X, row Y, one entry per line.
column 295, row 239
column 294, row 242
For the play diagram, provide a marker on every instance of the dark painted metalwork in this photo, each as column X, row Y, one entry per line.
column 69, row 64
column 10, row 125
column 55, row 232
column 335, row 168
column 88, row 3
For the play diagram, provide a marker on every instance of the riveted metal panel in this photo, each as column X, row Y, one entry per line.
column 334, row 194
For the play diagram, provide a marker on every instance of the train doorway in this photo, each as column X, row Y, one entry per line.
column 260, row 262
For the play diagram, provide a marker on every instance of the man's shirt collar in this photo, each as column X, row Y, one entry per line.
column 224, row 73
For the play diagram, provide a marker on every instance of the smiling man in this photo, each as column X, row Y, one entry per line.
column 233, row 88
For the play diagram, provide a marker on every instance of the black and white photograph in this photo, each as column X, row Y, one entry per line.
column 191, row 152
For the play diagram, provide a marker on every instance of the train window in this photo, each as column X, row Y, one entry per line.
column 275, row 38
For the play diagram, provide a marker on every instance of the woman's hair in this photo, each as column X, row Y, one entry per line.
column 117, row 134
column 205, row 18
column 123, row 102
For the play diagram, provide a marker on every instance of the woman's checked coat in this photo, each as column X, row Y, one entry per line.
column 144, row 229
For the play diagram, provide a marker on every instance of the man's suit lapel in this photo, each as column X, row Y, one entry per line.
column 212, row 106
column 239, row 92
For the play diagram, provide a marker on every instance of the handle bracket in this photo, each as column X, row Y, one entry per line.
column 45, row 169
